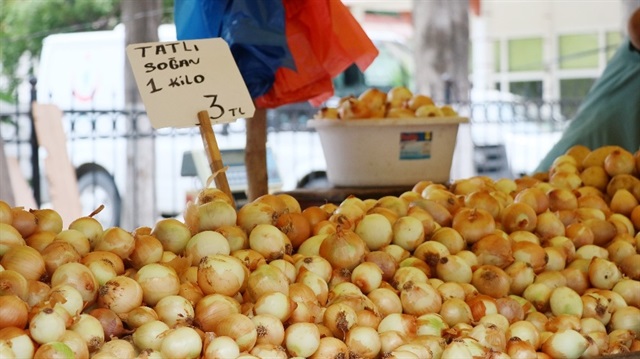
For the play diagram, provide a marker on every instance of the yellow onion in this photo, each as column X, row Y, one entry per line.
column 13, row 312
column 343, row 249
column 181, row 342
column 375, row 230
column 79, row 277
column 121, row 294
column 239, row 327
column 473, row 224
column 266, row 279
column 24, row 260
column 91, row 331
column 269, row 241
column 157, row 281
column 206, row 243
column 491, row 280
column 175, row 310
column 19, row 341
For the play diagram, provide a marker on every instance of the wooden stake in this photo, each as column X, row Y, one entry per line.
column 213, row 154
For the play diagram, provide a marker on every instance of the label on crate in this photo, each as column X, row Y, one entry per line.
column 178, row 79
column 415, row 145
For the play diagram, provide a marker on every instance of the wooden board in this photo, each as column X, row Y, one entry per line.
column 60, row 174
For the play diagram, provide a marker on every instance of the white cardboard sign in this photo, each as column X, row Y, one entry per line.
column 178, row 79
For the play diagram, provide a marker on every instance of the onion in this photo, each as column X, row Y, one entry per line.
column 13, row 312
column 490, row 337
column 597, row 307
column 121, row 294
column 47, row 219
column 363, row 341
column 295, row 226
column 629, row 289
column 531, row 253
column 147, row 249
column 408, row 233
column 535, row 197
column 343, row 249
column 375, row 230
column 157, row 281
column 9, row 237
column 181, row 342
column 339, row 318
column 254, row 213
column 139, row 316
column 91, row 331
column 473, row 224
column 269, row 241
column 367, row 276
column 629, row 266
column 565, row 300
column 454, row 311
column 222, row 274
column 453, row 268
column 24, row 260
column 567, row 344
column 384, row 261
column 493, row 249
column 47, row 325
column 206, row 243
column 269, row 328
column 518, row 217
column 603, row 274
column 14, row 283
column 403, row 324
column 53, row 349
column 116, row 240
column 386, row 301
column 221, row 347
column 627, row 318
column 302, row 339
column 439, row 212
column 19, row 341
column 390, row 340
column 419, row 298
column 79, row 277
column 111, row 323
column 522, row 275
column 491, row 280
column 266, row 279
column 148, row 335
column 175, row 310
column 236, row 237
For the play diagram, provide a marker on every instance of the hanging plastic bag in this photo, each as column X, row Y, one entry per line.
column 324, row 39
column 254, row 30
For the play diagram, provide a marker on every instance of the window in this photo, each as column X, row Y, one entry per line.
column 525, row 55
column 613, row 40
column 578, row 51
column 527, row 89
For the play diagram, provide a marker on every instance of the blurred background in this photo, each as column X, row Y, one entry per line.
column 517, row 69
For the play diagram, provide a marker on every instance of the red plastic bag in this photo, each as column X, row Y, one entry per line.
column 324, row 39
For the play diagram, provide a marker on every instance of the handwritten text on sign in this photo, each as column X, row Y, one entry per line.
column 179, row 79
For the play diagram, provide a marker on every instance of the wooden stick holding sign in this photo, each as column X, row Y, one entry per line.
column 213, row 154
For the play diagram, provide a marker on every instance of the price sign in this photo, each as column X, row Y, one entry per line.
column 179, row 79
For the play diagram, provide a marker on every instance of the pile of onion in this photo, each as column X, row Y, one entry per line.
column 542, row 266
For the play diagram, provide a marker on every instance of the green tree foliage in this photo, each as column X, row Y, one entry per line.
column 24, row 23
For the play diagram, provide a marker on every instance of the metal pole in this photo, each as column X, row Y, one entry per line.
column 35, row 157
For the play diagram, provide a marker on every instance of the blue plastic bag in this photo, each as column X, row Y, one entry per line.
column 254, row 30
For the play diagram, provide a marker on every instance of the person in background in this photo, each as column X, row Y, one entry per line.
column 610, row 112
